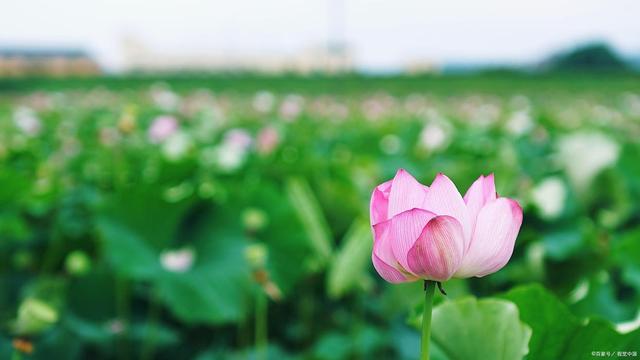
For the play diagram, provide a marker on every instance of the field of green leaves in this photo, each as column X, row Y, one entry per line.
column 228, row 218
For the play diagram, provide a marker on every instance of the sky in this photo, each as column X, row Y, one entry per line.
column 381, row 34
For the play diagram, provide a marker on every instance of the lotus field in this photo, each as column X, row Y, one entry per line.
column 229, row 218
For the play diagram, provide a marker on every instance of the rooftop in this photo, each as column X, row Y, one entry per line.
column 39, row 53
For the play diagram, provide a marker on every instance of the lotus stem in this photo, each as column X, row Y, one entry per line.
column 429, row 290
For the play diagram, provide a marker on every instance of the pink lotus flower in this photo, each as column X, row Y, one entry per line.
column 267, row 140
column 433, row 233
column 162, row 128
column 238, row 138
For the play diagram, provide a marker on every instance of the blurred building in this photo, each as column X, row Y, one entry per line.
column 421, row 66
column 321, row 59
column 46, row 62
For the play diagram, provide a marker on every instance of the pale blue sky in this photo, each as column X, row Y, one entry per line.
column 383, row 34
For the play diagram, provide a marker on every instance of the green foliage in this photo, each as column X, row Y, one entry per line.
column 589, row 57
column 159, row 248
column 349, row 268
column 484, row 329
column 212, row 290
column 625, row 252
column 558, row 334
column 308, row 211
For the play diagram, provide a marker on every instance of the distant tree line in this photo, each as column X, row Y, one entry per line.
column 597, row 56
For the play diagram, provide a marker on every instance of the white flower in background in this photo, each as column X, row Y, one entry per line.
column 115, row 326
column 549, row 197
column 390, row 144
column 434, row 136
column 291, row 107
column 27, row 121
column 176, row 146
column 584, row 155
column 238, row 138
column 519, row 123
column 162, row 128
column 231, row 153
column 164, row 98
column 180, row 260
column 229, row 158
column 264, row 101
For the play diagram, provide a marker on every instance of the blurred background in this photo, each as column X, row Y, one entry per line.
column 190, row 179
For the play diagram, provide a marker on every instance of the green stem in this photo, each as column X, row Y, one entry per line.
column 153, row 315
column 261, row 325
column 123, row 312
column 16, row 355
column 429, row 290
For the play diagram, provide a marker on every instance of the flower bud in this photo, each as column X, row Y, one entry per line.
column 434, row 233
column 256, row 255
column 77, row 263
column 34, row 317
column 254, row 219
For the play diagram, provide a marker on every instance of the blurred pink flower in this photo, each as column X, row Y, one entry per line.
column 162, row 128
column 267, row 140
column 291, row 107
column 434, row 233
column 238, row 138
